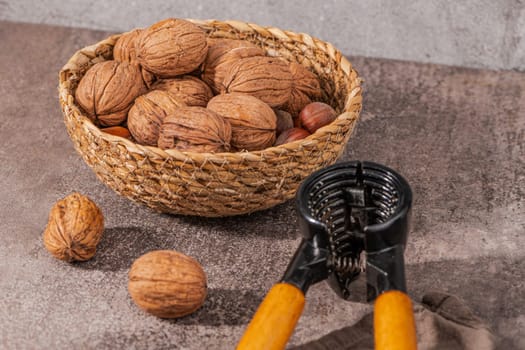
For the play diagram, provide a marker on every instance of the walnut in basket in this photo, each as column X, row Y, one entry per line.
column 124, row 51
column 267, row 78
column 222, row 53
column 171, row 47
column 305, row 89
column 188, row 89
column 148, row 113
column 107, row 91
column 195, row 129
column 253, row 121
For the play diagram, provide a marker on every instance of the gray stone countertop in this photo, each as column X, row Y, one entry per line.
column 456, row 134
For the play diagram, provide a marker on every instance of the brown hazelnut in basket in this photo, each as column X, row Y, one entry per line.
column 291, row 135
column 316, row 115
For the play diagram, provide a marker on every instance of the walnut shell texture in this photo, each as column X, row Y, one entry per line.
column 267, row 78
column 74, row 228
column 222, row 53
column 148, row 113
column 124, row 51
column 253, row 122
column 167, row 284
column 305, row 88
column 107, row 91
column 171, row 47
column 190, row 90
column 195, row 129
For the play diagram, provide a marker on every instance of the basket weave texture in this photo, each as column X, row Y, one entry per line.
column 218, row 184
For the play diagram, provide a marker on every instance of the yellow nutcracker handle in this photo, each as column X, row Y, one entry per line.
column 394, row 325
column 275, row 319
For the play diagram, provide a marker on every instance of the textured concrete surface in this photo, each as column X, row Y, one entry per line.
column 457, row 134
column 475, row 33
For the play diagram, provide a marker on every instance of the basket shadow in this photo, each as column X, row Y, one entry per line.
column 119, row 247
column 279, row 222
column 229, row 307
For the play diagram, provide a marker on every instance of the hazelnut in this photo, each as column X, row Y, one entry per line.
column 290, row 135
column 171, row 47
column 167, row 284
column 107, row 91
column 253, row 122
column 74, row 228
column 316, row 115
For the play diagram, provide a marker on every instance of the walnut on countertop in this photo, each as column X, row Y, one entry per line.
column 167, row 284
column 74, row 228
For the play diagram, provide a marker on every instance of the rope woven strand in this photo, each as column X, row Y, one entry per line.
column 218, row 184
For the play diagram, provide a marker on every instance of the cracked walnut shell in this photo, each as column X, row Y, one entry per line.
column 171, row 47
column 74, row 228
column 167, row 284
column 107, row 91
column 148, row 113
column 253, row 122
column 195, row 129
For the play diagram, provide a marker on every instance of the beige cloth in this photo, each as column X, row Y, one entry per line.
column 442, row 321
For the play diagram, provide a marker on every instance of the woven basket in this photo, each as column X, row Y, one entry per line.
column 217, row 184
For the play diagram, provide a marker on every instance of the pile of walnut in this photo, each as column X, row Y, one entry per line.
column 165, row 283
column 172, row 86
